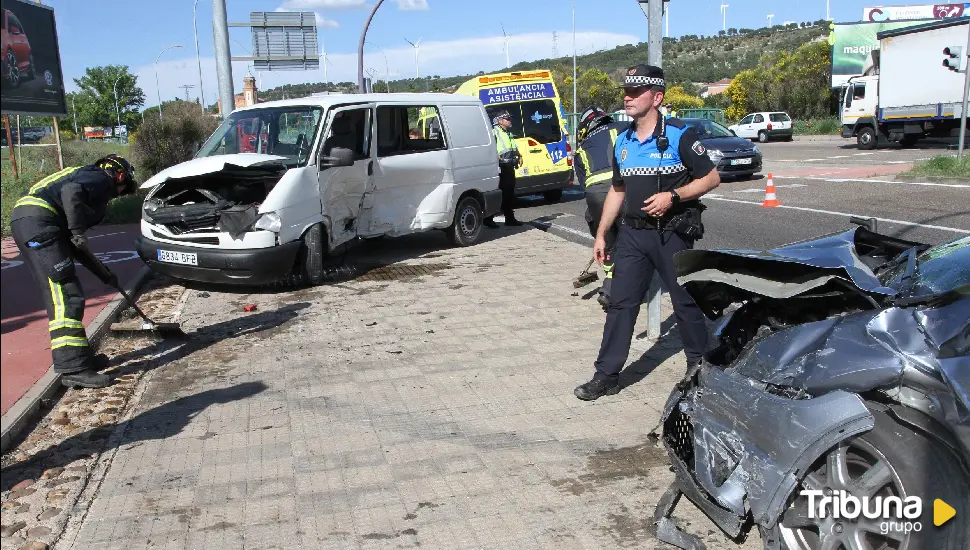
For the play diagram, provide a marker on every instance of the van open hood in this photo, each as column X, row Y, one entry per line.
column 209, row 165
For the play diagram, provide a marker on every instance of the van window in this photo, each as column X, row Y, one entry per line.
column 758, row 119
column 747, row 119
column 402, row 130
column 350, row 129
column 778, row 117
column 537, row 119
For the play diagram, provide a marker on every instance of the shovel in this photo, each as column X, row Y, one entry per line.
column 586, row 277
column 105, row 274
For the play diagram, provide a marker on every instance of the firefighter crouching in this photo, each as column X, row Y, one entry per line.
column 594, row 171
column 48, row 223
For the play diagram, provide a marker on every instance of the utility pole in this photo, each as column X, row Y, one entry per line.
column 187, row 87
column 966, row 91
column 220, row 32
column 655, row 31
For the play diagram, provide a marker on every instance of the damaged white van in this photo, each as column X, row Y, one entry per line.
column 282, row 185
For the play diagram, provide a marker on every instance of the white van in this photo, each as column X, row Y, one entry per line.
column 281, row 185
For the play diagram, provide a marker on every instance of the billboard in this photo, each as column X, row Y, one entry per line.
column 31, row 79
column 924, row 11
column 852, row 44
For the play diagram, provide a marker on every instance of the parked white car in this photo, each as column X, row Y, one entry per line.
column 764, row 126
column 281, row 185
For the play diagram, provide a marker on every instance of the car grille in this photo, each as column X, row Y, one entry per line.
column 193, row 240
column 679, row 436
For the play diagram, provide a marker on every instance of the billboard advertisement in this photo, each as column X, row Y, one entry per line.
column 31, row 80
column 923, row 11
column 852, row 44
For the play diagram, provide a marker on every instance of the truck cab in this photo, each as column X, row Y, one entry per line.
column 860, row 103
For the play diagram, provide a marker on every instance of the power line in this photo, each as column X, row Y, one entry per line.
column 187, row 87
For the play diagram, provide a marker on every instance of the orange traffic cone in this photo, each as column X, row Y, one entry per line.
column 770, row 199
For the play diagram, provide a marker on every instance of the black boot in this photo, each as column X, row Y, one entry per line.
column 100, row 362
column 87, row 378
column 596, row 388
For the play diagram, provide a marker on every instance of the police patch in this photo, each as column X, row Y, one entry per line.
column 623, row 155
column 633, row 70
column 698, row 148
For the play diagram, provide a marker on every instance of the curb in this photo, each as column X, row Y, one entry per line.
column 822, row 137
column 26, row 409
column 932, row 179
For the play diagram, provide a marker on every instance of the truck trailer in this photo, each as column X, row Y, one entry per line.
column 907, row 94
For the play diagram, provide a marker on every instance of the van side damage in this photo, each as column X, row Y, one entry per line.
column 815, row 331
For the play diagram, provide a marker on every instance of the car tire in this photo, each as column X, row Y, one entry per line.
column 310, row 268
column 467, row 225
column 553, row 196
column 763, row 136
column 13, row 70
column 912, row 464
column 867, row 138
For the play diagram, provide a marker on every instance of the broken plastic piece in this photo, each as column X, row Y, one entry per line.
column 248, row 308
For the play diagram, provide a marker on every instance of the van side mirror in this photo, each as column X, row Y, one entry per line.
column 338, row 157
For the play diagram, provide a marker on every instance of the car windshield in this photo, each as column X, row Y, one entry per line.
column 283, row 131
column 939, row 269
column 707, row 129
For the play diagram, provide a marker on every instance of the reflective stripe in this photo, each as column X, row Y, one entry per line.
column 652, row 171
column 599, row 178
column 72, row 341
column 55, row 176
column 57, row 298
column 34, row 201
column 65, row 323
column 608, row 270
column 584, row 158
column 613, row 135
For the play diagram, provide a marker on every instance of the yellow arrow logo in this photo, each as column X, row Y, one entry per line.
column 942, row 512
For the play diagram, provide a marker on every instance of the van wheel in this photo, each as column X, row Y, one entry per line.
column 467, row 227
column 312, row 252
column 763, row 136
column 553, row 196
column 867, row 138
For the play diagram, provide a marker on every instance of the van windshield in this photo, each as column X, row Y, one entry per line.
column 537, row 119
column 283, row 131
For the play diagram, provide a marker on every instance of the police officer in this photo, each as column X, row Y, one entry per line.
column 48, row 223
column 509, row 159
column 660, row 171
column 594, row 170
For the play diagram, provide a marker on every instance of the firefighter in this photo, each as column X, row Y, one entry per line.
column 48, row 224
column 594, row 170
column 509, row 159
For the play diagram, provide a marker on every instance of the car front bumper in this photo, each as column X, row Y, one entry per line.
column 725, row 168
column 249, row 266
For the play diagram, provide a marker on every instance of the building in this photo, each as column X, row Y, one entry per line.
column 715, row 88
column 249, row 95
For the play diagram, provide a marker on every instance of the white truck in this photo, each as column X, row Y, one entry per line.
column 907, row 94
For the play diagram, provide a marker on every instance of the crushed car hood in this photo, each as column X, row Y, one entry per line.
column 209, row 165
column 717, row 278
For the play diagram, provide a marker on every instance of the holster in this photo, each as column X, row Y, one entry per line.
column 688, row 224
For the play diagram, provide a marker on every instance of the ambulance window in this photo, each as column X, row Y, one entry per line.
column 538, row 119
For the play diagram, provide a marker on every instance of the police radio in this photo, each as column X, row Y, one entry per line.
column 662, row 142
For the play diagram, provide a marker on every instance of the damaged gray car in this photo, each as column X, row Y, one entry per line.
column 834, row 410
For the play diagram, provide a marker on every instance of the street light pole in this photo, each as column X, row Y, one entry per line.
column 198, row 60
column 158, row 90
column 572, row 5
column 387, row 71
column 360, row 47
column 117, row 109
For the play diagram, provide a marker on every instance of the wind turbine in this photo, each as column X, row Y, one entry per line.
column 724, row 8
column 506, row 37
column 415, row 45
column 770, row 17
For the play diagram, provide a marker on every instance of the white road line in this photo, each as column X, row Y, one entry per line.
column 840, row 157
column 812, row 160
column 569, row 230
column 861, row 154
column 840, row 180
column 761, row 190
column 844, row 215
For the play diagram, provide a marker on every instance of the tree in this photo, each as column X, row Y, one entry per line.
column 98, row 98
column 167, row 142
column 595, row 87
column 676, row 96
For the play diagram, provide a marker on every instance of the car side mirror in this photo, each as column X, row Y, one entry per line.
column 338, row 157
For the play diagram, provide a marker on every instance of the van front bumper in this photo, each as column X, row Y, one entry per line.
column 249, row 266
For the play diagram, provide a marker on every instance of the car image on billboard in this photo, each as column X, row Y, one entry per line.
column 31, row 79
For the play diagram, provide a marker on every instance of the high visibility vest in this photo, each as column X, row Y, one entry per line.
column 503, row 141
column 601, row 169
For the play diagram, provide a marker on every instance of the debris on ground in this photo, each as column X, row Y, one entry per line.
column 248, row 308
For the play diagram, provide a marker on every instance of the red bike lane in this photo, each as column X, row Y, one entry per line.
column 24, row 341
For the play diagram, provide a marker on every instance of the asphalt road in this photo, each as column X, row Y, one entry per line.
column 820, row 184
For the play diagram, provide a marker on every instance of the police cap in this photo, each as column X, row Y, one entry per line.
column 644, row 76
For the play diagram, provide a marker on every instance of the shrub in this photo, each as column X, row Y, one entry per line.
column 172, row 140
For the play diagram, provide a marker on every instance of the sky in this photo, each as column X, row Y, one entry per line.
column 456, row 36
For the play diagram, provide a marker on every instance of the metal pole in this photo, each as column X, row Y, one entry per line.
column 966, row 89
column 198, row 60
column 220, row 31
column 655, row 31
column 20, row 144
column 57, row 140
column 387, row 70
column 74, row 108
column 13, row 159
column 117, row 110
column 575, row 106
column 158, row 90
column 360, row 47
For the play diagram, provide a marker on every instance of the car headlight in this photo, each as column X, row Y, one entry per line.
column 269, row 221
column 756, row 149
column 715, row 155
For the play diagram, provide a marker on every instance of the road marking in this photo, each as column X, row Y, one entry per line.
column 107, row 235
column 761, row 190
column 840, row 157
column 844, row 214
column 812, row 160
column 862, row 154
column 840, row 180
column 570, row 230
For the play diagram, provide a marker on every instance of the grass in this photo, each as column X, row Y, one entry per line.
column 37, row 162
column 817, row 127
column 943, row 166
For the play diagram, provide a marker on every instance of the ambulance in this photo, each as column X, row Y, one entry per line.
column 538, row 127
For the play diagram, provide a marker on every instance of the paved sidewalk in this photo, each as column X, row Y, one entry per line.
column 424, row 403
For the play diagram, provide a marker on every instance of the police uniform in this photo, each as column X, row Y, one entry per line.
column 508, row 154
column 646, row 244
column 594, row 171
column 43, row 222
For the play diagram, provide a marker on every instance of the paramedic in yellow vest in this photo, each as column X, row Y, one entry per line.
column 594, row 171
column 509, row 159
column 48, row 226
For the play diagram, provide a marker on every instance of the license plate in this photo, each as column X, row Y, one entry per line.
column 735, row 162
column 185, row 258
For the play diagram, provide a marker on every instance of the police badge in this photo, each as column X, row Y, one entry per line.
column 698, row 148
column 623, row 155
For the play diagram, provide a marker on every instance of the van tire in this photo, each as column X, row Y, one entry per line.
column 311, row 256
column 467, row 225
column 553, row 196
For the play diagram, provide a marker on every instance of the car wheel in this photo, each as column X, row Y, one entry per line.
column 311, row 256
column 13, row 71
column 553, row 196
column 763, row 136
column 889, row 460
column 867, row 138
column 467, row 227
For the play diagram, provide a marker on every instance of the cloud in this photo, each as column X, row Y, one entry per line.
column 324, row 23
column 301, row 5
column 412, row 4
